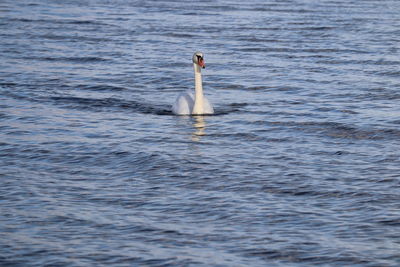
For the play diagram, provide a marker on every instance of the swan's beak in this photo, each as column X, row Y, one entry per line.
column 202, row 63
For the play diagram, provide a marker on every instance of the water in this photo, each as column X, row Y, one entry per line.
column 299, row 166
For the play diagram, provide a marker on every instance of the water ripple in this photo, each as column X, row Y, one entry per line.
column 298, row 166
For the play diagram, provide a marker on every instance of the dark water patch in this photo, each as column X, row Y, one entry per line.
column 70, row 59
column 238, row 105
column 308, row 190
column 245, row 137
column 349, row 111
column 278, row 140
column 390, row 222
column 181, row 35
column 259, row 39
column 28, row 20
column 60, row 22
column 333, row 51
column 99, row 88
column 4, row 85
column 224, row 86
column 371, row 96
column 80, row 154
column 340, row 130
column 68, row 38
column 259, row 88
column 303, row 253
column 83, row 22
column 108, row 104
column 267, row 49
column 228, row 109
column 317, row 28
column 393, row 73
column 4, row 116
column 18, row 132
column 283, row 10
column 323, row 109
column 358, row 62
column 288, row 88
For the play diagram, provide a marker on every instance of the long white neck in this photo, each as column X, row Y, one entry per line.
column 198, row 107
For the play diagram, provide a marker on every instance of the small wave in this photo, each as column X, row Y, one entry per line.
column 308, row 190
column 78, row 22
column 3, row 116
column 58, row 21
column 275, row 8
column 101, row 88
column 68, row 59
column 180, row 35
column 393, row 73
column 7, row 84
column 316, row 28
column 107, row 104
column 359, row 62
column 228, row 109
column 75, row 59
column 337, row 130
column 238, row 136
column 69, row 38
column 390, row 222
column 340, row 130
column 348, row 132
column 259, row 40
column 264, row 49
column 110, row 103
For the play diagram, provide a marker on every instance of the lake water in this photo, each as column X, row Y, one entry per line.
column 300, row 165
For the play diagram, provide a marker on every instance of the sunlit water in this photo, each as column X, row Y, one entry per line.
column 300, row 165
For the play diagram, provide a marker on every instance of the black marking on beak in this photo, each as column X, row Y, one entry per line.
column 200, row 58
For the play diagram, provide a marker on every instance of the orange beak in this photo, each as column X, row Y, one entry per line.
column 202, row 63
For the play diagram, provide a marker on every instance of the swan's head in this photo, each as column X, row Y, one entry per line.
column 198, row 59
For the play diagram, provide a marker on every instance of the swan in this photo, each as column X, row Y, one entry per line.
column 188, row 103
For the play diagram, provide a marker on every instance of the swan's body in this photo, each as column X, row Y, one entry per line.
column 185, row 103
column 188, row 103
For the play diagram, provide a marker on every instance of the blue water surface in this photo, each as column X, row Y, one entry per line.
column 299, row 166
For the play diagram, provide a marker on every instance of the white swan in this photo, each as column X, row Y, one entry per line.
column 188, row 103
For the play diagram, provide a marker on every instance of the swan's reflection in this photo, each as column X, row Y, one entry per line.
column 200, row 127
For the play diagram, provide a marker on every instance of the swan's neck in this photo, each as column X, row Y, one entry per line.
column 198, row 107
